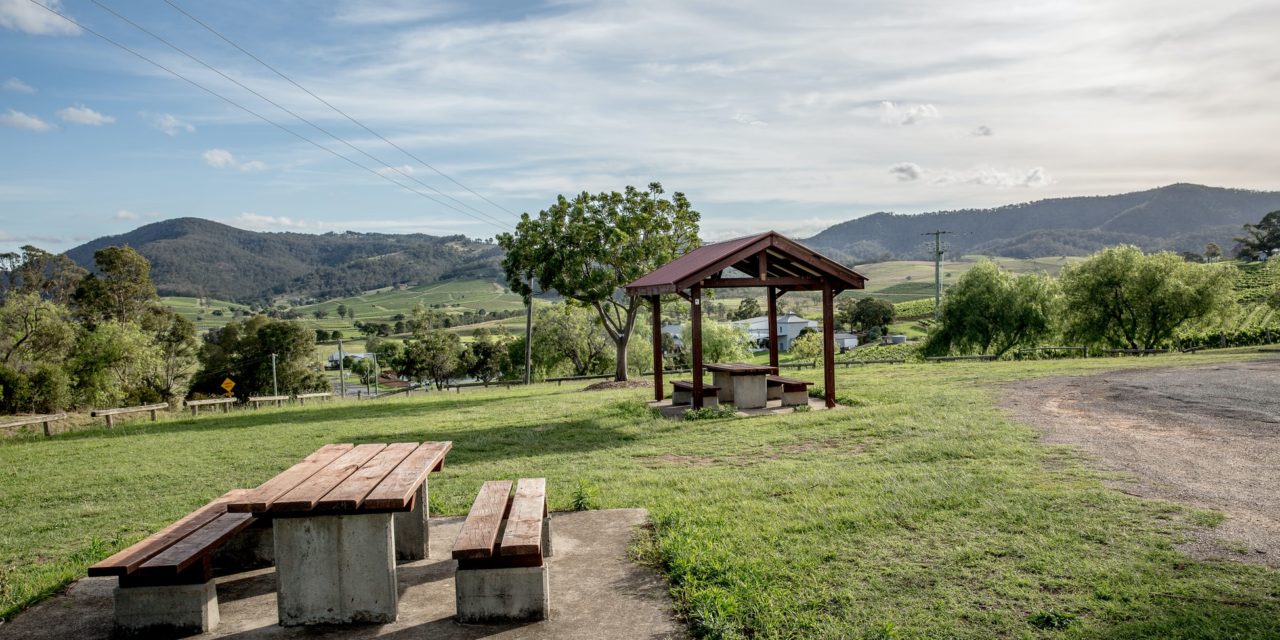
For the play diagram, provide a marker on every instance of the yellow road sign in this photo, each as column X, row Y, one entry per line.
column 228, row 385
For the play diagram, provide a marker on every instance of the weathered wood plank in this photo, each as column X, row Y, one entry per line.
column 305, row 496
column 350, row 494
column 201, row 403
column 193, row 548
column 523, row 535
column 479, row 535
column 99, row 413
column 22, row 422
column 397, row 489
column 127, row 560
column 260, row 499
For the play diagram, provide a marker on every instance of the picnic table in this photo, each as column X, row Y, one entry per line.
column 341, row 517
column 741, row 383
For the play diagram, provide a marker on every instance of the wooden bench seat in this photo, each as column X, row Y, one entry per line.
column 682, row 393
column 501, row 551
column 793, row 392
column 166, row 580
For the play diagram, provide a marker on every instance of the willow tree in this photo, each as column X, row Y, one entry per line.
column 589, row 247
column 991, row 311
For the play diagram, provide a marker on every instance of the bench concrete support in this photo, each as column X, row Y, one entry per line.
column 503, row 595
column 795, row 398
column 413, row 539
column 749, row 392
column 171, row 611
column 774, row 391
column 336, row 569
column 723, row 380
column 685, row 397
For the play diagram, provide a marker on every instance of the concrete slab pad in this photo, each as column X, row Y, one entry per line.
column 772, row 408
column 596, row 592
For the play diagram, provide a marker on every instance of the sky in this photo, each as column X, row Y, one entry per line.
column 767, row 115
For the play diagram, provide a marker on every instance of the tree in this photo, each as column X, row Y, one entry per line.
column 320, row 314
column 873, row 313
column 1212, row 252
column 721, row 342
column 120, row 291
column 112, row 364
column 588, row 248
column 992, row 311
column 1264, row 237
column 563, row 333
column 342, row 310
column 485, row 355
column 242, row 351
column 435, row 358
column 847, row 313
column 175, row 336
column 52, row 277
column 1122, row 298
column 33, row 330
column 747, row 308
column 807, row 347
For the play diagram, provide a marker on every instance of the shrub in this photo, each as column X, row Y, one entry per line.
column 50, row 389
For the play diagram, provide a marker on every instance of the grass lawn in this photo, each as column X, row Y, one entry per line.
column 918, row 512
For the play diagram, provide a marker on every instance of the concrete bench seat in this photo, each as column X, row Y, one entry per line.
column 502, row 576
column 682, row 393
column 166, row 586
column 791, row 391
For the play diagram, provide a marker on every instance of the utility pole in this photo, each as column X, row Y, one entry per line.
column 275, row 389
column 342, row 379
column 528, row 335
column 937, row 270
column 376, row 371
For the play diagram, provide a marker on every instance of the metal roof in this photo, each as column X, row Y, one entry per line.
column 784, row 259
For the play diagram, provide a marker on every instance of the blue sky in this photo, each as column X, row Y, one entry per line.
column 787, row 116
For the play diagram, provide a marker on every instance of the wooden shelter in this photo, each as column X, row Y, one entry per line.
column 768, row 260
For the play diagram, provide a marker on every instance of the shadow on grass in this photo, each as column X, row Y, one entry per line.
column 1196, row 617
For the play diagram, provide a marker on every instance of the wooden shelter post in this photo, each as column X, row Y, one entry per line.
column 773, row 325
column 695, row 302
column 828, row 345
column 657, row 347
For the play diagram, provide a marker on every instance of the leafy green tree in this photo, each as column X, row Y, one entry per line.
column 747, row 308
column 436, row 358
column 871, row 313
column 721, row 342
column 33, row 330
column 1212, row 252
column 807, row 347
column 175, row 336
column 363, row 369
column 991, row 311
column 1122, row 298
column 847, row 313
column 242, row 351
column 588, row 248
column 1264, row 237
column 52, row 277
column 320, row 314
column 120, row 291
column 485, row 355
column 566, row 333
column 112, row 365
column 342, row 310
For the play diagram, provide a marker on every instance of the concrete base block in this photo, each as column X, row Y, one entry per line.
column 681, row 397
column 749, row 392
column 709, row 400
column 166, row 612
column 775, row 392
column 336, row 569
column 795, row 398
column 252, row 548
column 503, row 595
column 725, row 382
column 547, row 551
column 413, row 540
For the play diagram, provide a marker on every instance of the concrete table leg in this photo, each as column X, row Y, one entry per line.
column 725, row 382
column 750, row 392
column 413, row 540
column 336, row 569
column 169, row 611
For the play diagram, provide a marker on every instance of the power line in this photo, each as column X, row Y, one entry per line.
column 244, row 108
column 336, row 109
column 296, row 115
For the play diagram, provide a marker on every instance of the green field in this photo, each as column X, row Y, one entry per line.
column 202, row 310
column 919, row 511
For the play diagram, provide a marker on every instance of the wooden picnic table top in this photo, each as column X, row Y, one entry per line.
column 740, row 368
column 347, row 479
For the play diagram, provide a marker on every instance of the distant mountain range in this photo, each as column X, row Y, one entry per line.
column 1179, row 217
column 195, row 257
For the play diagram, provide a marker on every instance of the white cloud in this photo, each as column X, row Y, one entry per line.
column 125, row 215
column 360, row 12
column 748, row 119
column 14, row 85
column 907, row 114
column 983, row 131
column 25, row 16
column 81, row 114
column 169, row 124
column 223, row 159
column 255, row 222
column 982, row 176
column 906, row 171
column 24, row 121
column 400, row 171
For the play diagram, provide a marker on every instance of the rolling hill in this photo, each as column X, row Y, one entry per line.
column 1179, row 217
column 201, row 258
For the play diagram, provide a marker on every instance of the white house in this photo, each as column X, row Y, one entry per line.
column 845, row 341
column 333, row 357
column 789, row 327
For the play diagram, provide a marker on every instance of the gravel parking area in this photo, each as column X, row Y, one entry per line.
column 1204, row 436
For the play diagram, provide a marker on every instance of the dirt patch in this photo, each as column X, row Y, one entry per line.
column 619, row 384
column 1203, row 436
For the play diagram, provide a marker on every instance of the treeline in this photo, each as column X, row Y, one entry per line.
column 1117, row 298
column 70, row 338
